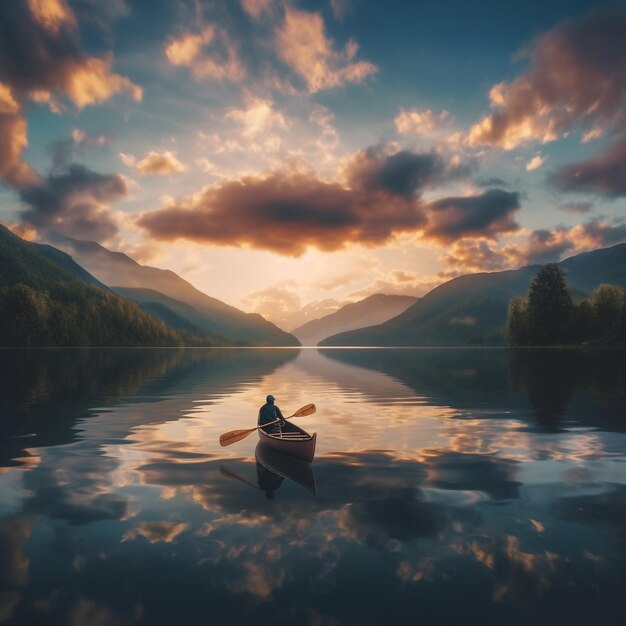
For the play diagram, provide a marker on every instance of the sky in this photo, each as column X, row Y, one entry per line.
column 287, row 156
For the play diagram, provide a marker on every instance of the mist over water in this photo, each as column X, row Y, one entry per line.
column 481, row 485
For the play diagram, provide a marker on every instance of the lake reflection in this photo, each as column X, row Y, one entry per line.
column 449, row 486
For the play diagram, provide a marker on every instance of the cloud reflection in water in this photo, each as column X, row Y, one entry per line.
column 437, row 477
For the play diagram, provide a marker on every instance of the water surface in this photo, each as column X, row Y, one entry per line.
column 451, row 485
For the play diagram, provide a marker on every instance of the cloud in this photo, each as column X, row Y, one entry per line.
column 260, row 123
column 577, row 207
column 303, row 45
column 210, row 53
column 485, row 215
column 575, row 79
column 52, row 14
column 281, row 212
column 604, row 174
column 258, row 117
column 538, row 247
column 287, row 211
column 535, row 163
column 419, row 122
column 64, row 151
column 398, row 282
column 154, row 163
column 471, row 255
column 155, row 532
column 13, row 169
column 74, row 203
column 493, row 181
column 548, row 246
column 282, row 304
column 256, row 8
column 41, row 58
column 8, row 104
column 400, row 173
column 279, row 303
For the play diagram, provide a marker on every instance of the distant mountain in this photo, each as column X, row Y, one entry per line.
column 123, row 274
column 472, row 309
column 46, row 299
column 367, row 312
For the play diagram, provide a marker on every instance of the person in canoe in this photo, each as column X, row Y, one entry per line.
column 269, row 412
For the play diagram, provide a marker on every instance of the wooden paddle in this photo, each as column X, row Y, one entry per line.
column 232, row 474
column 233, row 436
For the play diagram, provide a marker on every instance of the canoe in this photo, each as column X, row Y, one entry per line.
column 293, row 441
column 289, row 467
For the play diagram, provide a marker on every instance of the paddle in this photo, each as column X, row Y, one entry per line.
column 233, row 436
column 231, row 474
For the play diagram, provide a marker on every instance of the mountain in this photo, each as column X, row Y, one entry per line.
column 46, row 299
column 473, row 309
column 211, row 315
column 174, row 313
column 367, row 312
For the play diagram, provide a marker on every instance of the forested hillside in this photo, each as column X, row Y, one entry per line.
column 48, row 300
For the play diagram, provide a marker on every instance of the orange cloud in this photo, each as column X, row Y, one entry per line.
column 256, row 8
column 290, row 210
column 8, row 104
column 546, row 246
column 535, row 163
column 186, row 49
column 575, row 79
column 471, row 255
column 52, row 14
column 14, row 141
column 258, row 118
column 419, row 122
column 303, row 45
column 154, row 163
column 538, row 247
column 210, row 54
column 52, row 65
column 155, row 532
column 55, row 65
column 92, row 82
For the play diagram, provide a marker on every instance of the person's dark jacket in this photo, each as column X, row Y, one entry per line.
column 268, row 413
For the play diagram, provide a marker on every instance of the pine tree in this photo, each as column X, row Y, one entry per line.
column 550, row 307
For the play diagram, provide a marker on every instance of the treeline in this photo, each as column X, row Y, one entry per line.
column 75, row 314
column 550, row 316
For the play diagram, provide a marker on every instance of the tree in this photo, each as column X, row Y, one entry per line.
column 550, row 307
column 518, row 322
column 607, row 302
column 582, row 322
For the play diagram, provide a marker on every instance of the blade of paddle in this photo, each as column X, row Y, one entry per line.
column 227, row 439
column 308, row 409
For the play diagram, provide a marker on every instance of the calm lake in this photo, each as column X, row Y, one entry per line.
column 449, row 486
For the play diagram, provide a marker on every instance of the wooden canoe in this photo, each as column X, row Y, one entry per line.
column 289, row 467
column 292, row 440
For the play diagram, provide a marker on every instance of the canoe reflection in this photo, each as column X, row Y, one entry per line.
column 271, row 470
column 272, row 467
